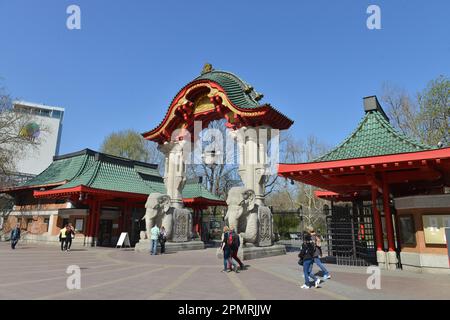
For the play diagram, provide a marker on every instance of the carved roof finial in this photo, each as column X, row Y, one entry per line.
column 207, row 68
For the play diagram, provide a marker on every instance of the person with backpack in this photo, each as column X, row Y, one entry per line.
column 306, row 256
column 318, row 254
column 15, row 236
column 163, row 239
column 227, row 242
column 235, row 244
column 70, row 234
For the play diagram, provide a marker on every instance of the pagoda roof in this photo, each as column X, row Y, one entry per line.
column 375, row 153
column 95, row 172
column 237, row 90
column 229, row 97
column 374, row 136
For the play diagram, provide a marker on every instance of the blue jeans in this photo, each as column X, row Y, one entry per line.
column 228, row 260
column 154, row 247
column 320, row 265
column 307, row 266
column 14, row 243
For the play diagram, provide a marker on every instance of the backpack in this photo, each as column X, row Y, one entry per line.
column 236, row 241
column 230, row 239
column 311, row 248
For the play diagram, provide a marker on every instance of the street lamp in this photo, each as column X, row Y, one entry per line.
column 300, row 216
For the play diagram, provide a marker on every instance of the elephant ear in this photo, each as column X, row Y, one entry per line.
column 152, row 200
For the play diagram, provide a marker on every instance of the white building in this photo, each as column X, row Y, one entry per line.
column 36, row 160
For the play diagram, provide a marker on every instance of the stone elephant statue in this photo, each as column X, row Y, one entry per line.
column 242, row 214
column 158, row 212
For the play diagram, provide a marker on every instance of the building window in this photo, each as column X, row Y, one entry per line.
column 47, row 222
column 407, row 230
column 434, row 228
column 79, row 224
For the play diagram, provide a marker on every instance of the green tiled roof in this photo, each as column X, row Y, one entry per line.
column 234, row 87
column 100, row 171
column 197, row 190
column 113, row 176
column 374, row 136
column 60, row 170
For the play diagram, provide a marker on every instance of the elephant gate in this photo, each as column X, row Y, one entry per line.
column 252, row 136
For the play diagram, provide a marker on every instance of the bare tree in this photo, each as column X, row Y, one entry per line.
column 15, row 136
column 402, row 110
column 425, row 118
column 219, row 176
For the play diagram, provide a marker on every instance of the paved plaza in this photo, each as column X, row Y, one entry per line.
column 39, row 272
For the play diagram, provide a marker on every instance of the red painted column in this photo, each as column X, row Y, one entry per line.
column 377, row 221
column 200, row 223
column 87, row 230
column 97, row 219
column 388, row 216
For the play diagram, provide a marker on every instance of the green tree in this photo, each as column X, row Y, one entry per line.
column 434, row 112
column 425, row 118
column 130, row 144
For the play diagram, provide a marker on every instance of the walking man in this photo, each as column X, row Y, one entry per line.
column 15, row 236
column 154, row 235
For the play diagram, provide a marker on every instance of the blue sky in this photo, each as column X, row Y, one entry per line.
column 313, row 60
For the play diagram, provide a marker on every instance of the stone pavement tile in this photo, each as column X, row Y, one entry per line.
column 207, row 283
column 276, row 288
column 39, row 272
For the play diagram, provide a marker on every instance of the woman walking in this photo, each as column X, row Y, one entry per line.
column 317, row 240
column 306, row 256
column 62, row 237
column 226, row 248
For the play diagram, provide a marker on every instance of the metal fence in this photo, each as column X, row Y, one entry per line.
column 350, row 235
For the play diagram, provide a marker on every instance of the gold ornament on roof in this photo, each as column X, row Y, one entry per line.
column 207, row 68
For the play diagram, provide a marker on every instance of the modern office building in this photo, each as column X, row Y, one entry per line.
column 46, row 124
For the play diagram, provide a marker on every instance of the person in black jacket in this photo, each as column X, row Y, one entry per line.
column 15, row 236
column 70, row 234
column 162, row 239
column 306, row 256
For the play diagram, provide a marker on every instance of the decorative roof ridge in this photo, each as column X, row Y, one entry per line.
column 74, row 154
column 105, row 157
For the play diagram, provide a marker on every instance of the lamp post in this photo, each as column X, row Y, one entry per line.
column 300, row 216
column 210, row 160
